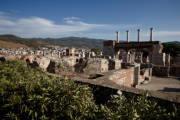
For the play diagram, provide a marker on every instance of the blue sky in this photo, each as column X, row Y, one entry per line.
column 91, row 18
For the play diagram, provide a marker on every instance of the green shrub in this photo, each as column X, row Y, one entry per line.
column 27, row 95
column 140, row 108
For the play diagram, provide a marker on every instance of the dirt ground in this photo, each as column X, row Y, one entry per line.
column 164, row 84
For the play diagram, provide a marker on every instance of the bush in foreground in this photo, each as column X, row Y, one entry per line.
column 27, row 95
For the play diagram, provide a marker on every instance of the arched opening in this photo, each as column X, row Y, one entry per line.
column 27, row 61
column 145, row 55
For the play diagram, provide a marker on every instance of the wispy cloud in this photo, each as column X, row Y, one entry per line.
column 41, row 27
column 167, row 33
column 36, row 26
column 161, row 33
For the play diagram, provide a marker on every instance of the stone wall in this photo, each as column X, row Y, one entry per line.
column 177, row 60
column 103, row 93
column 96, row 65
column 175, row 71
column 123, row 77
column 158, row 59
column 43, row 62
column 114, row 64
column 108, row 48
column 160, row 70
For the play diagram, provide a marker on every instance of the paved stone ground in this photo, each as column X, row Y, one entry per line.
column 165, row 84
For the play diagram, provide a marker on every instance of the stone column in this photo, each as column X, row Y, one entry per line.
column 139, row 57
column 117, row 36
column 127, row 35
column 138, row 35
column 59, row 54
column 43, row 53
column 151, row 31
column 51, row 53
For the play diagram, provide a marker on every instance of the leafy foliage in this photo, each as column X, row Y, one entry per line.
column 171, row 48
column 140, row 108
column 27, row 93
column 96, row 50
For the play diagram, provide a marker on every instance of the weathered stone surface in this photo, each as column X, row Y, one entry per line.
column 43, row 62
column 160, row 70
column 159, row 59
column 114, row 64
column 175, row 71
column 96, row 65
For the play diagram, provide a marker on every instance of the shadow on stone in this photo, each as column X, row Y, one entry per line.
column 166, row 89
column 2, row 59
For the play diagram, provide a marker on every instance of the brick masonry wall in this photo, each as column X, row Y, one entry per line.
column 123, row 77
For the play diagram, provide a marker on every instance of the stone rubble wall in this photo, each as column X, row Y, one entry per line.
column 96, row 65
column 114, row 64
column 123, row 77
column 175, row 71
column 160, row 70
column 43, row 62
column 159, row 59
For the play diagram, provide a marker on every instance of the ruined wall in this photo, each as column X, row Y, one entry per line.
column 95, row 65
column 43, row 62
column 158, row 59
column 123, row 77
column 177, row 60
column 51, row 67
column 146, row 71
column 146, row 74
column 175, row 71
column 108, row 48
column 102, row 94
column 160, row 70
column 70, row 60
column 114, row 64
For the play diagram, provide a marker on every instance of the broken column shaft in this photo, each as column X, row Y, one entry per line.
column 127, row 35
column 138, row 35
column 117, row 36
column 151, row 30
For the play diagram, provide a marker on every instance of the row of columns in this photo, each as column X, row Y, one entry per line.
column 138, row 38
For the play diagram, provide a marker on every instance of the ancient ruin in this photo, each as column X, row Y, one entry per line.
column 128, row 63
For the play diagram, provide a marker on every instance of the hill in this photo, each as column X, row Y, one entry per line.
column 174, row 42
column 15, row 41
column 76, row 42
column 5, row 44
column 67, row 41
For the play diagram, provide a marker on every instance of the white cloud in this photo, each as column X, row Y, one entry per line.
column 167, row 33
column 41, row 27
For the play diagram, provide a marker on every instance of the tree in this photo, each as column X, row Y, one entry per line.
column 96, row 50
column 172, row 49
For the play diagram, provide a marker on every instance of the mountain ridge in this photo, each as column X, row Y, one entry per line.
column 79, row 42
